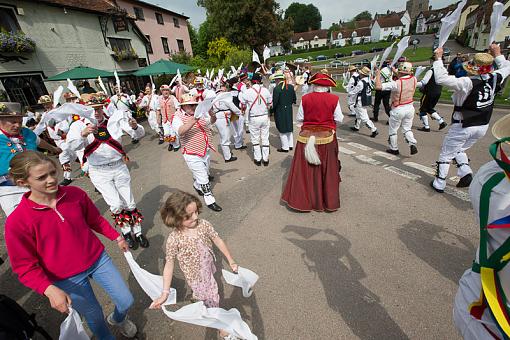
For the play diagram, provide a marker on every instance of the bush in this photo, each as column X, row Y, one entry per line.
column 236, row 57
column 314, row 49
column 181, row 57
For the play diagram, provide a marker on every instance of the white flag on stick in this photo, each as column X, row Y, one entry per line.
column 385, row 55
column 497, row 20
column 255, row 57
column 419, row 70
column 117, row 80
column 73, row 88
column 267, row 53
column 373, row 63
column 449, row 22
column 101, row 84
column 56, row 95
column 401, row 47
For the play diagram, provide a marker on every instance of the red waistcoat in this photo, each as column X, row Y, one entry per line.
column 319, row 109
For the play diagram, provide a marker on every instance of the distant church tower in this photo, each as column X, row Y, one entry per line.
column 414, row 7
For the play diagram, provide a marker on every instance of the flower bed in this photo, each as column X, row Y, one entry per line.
column 120, row 55
column 16, row 42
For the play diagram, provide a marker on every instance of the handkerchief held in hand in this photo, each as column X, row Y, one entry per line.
column 448, row 23
column 244, row 278
column 219, row 318
column 151, row 284
column 203, row 108
column 71, row 328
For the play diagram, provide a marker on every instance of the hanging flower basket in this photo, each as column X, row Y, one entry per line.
column 16, row 42
column 120, row 55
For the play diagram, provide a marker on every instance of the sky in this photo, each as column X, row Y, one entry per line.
column 331, row 10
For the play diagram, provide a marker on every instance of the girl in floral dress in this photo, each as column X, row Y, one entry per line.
column 191, row 243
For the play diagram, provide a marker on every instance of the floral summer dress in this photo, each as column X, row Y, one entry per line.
column 196, row 260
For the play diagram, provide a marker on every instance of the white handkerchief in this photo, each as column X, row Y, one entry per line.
column 244, row 278
column 419, row 70
column 71, row 328
column 151, row 284
column 204, row 106
column 219, row 318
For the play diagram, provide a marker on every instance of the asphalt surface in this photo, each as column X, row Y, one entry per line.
column 384, row 266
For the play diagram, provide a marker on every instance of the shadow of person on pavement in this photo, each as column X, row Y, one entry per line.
column 340, row 274
column 448, row 253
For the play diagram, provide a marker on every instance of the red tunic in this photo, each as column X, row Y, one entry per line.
column 319, row 109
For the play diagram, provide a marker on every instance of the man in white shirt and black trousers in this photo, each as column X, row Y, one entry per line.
column 473, row 98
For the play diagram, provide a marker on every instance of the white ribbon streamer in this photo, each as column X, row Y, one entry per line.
column 244, row 278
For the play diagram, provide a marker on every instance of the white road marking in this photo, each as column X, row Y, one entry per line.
column 420, row 167
column 340, row 139
column 402, row 173
column 346, row 151
column 368, row 160
column 360, row 146
column 457, row 193
column 386, row 155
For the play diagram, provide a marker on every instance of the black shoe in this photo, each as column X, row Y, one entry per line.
column 436, row 189
column 374, row 134
column 424, row 129
column 232, row 158
column 465, row 181
column 214, row 207
column 66, row 182
column 393, row 152
column 442, row 125
column 211, row 178
column 281, row 150
column 135, row 141
column 247, row 131
column 354, row 129
column 161, row 141
column 129, row 239
column 177, row 149
column 375, row 119
column 170, row 147
column 291, row 148
column 266, row 163
column 414, row 149
column 242, row 147
column 257, row 163
column 388, row 123
column 199, row 192
column 142, row 240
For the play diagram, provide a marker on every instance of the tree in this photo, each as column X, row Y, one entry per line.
column 365, row 15
column 305, row 17
column 193, row 36
column 219, row 49
column 205, row 35
column 333, row 27
column 247, row 23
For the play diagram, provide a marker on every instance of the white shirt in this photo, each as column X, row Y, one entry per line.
column 224, row 104
column 425, row 80
column 462, row 86
column 150, row 101
column 337, row 116
column 257, row 105
column 104, row 154
column 174, row 101
column 119, row 103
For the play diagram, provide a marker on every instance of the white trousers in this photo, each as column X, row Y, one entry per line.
column 153, row 121
column 199, row 167
column 455, row 144
column 67, row 156
column 223, row 126
column 10, row 197
column 259, row 134
column 168, row 131
column 401, row 116
column 238, row 132
column 287, row 140
column 362, row 118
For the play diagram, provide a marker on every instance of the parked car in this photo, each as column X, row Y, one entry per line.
column 339, row 55
column 377, row 49
column 300, row 60
column 336, row 63
column 279, row 63
column 362, row 62
column 358, row 52
column 446, row 51
column 321, row 57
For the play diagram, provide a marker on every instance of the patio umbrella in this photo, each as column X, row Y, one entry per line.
column 163, row 66
column 81, row 72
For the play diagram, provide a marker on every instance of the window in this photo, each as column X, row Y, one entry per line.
column 176, row 22
column 120, row 44
column 180, row 45
column 8, row 21
column 164, row 41
column 159, row 18
column 149, row 45
column 139, row 13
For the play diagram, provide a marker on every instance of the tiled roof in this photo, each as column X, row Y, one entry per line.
column 347, row 32
column 163, row 9
column 100, row 6
column 389, row 21
column 362, row 23
column 310, row 35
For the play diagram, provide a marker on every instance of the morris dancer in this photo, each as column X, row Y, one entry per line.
column 225, row 112
column 149, row 104
column 352, row 83
column 431, row 95
column 258, row 100
column 195, row 135
column 313, row 182
column 167, row 105
column 284, row 96
column 402, row 109
column 473, row 98
column 107, row 165
column 363, row 92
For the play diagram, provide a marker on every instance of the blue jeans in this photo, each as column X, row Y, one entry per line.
column 104, row 272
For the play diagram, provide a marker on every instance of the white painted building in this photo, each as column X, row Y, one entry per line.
column 310, row 39
column 387, row 26
column 348, row 35
column 479, row 33
column 276, row 48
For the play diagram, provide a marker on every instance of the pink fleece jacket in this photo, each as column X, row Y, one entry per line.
column 47, row 245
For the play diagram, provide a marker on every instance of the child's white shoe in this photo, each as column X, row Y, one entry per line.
column 231, row 337
column 127, row 327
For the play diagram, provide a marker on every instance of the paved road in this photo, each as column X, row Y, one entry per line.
column 384, row 266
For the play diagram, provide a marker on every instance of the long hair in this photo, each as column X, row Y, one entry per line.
column 21, row 163
column 173, row 211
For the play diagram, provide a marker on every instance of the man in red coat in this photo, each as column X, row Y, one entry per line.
column 314, row 179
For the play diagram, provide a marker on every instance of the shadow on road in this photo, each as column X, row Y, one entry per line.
column 340, row 274
column 448, row 253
